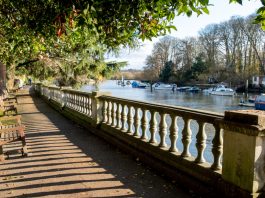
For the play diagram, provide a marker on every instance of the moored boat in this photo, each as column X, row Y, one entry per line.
column 260, row 102
column 140, row 85
column 183, row 89
column 222, row 90
column 194, row 89
column 252, row 99
column 162, row 86
column 208, row 91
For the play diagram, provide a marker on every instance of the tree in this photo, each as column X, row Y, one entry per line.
column 166, row 73
column 74, row 35
column 198, row 67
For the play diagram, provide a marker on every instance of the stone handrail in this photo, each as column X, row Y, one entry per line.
column 177, row 137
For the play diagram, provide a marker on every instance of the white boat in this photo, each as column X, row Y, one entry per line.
column 194, row 89
column 208, row 91
column 222, row 90
column 162, row 86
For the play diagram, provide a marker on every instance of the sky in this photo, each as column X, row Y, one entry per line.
column 189, row 26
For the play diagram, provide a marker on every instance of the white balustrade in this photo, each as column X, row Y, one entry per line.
column 140, row 119
column 166, row 131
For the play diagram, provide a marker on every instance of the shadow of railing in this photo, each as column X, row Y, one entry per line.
column 66, row 159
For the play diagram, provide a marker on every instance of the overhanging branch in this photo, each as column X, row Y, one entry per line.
column 27, row 62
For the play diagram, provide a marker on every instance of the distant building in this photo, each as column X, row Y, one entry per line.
column 258, row 80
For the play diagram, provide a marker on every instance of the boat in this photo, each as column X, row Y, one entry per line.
column 208, row 91
column 246, row 104
column 222, row 90
column 194, row 89
column 139, row 85
column 260, row 102
column 183, row 89
column 252, row 99
column 162, row 86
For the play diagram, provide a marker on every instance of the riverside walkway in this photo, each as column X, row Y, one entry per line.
column 68, row 161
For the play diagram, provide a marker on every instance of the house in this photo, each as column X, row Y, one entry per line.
column 257, row 80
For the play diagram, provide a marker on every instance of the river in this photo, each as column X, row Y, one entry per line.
column 200, row 100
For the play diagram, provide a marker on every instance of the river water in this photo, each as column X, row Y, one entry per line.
column 200, row 101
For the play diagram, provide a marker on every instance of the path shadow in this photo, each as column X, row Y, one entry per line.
column 68, row 160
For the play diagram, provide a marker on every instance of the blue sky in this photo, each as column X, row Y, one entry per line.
column 190, row 26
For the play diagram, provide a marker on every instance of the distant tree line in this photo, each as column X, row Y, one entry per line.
column 231, row 51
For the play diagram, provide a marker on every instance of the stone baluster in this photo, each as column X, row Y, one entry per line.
column 186, row 138
column 136, row 122
column 113, row 114
column 74, row 95
column 130, row 120
column 173, row 133
column 86, row 105
column 200, row 142
column 153, row 127
column 72, row 100
column 123, row 118
column 104, row 111
column 217, row 148
column 75, row 101
column 89, row 106
column 163, row 131
column 109, row 112
column 118, row 116
column 68, row 100
column 144, row 125
column 83, row 104
column 78, row 103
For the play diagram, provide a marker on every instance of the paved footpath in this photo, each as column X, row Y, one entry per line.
column 67, row 161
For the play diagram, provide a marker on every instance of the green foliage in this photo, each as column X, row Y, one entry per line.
column 198, row 67
column 166, row 72
column 70, row 38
